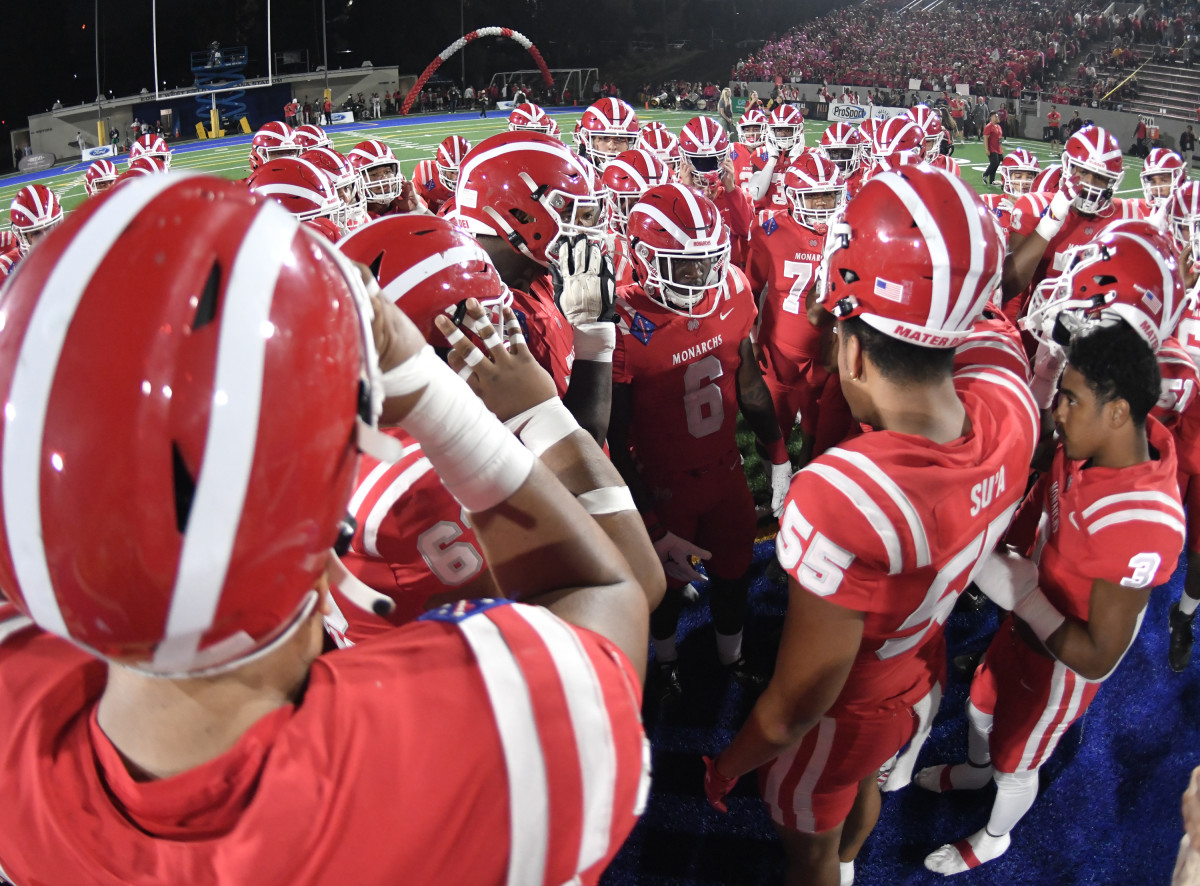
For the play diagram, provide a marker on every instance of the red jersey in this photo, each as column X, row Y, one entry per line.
column 1077, row 230
column 742, row 156
column 994, row 341
column 1121, row 525
column 946, row 163
column 1188, row 331
column 546, row 330
column 618, row 249
column 784, row 256
column 1000, row 206
column 738, row 214
column 8, row 261
column 411, row 542
column 683, row 374
column 774, row 198
column 429, row 185
column 1180, row 382
column 857, row 179
column 894, row 526
column 465, row 722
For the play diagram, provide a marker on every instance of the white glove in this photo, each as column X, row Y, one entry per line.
column 1055, row 215
column 584, row 283
column 781, row 481
column 1007, row 578
column 676, row 553
column 1048, row 364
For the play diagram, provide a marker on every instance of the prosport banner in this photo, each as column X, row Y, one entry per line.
column 857, row 113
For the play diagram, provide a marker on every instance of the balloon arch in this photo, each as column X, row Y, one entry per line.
column 460, row 43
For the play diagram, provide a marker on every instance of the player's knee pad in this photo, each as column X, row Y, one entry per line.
column 1017, row 783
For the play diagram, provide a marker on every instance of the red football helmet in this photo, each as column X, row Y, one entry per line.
column 785, row 128
column 245, row 366
column 896, row 135
column 1161, row 174
column 529, row 189
column 1093, row 152
column 326, row 227
column 274, row 139
column 301, row 188
column 929, row 122
column 449, row 157
column 310, row 136
column 1129, row 273
column 915, row 254
column 752, row 128
column 428, row 266
column 379, row 170
column 629, row 175
column 843, row 144
column 530, row 117
column 814, row 189
column 346, row 183
column 1018, row 170
column 681, row 246
column 554, row 131
column 608, row 127
column 1048, row 180
column 662, row 143
column 705, row 146
column 100, row 176
column 1183, row 218
column 151, row 146
column 35, row 210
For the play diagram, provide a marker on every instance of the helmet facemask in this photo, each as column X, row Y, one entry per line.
column 1090, row 198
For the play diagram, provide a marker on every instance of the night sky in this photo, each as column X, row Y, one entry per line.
column 47, row 50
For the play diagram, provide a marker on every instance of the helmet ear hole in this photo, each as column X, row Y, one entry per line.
column 848, row 276
column 185, row 488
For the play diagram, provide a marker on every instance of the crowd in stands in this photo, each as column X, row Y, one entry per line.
column 1077, row 55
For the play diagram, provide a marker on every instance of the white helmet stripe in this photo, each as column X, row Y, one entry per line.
column 229, row 444
column 681, row 236
column 938, row 253
column 964, row 311
column 430, row 265
column 29, row 395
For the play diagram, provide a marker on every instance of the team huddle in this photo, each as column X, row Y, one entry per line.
column 368, row 503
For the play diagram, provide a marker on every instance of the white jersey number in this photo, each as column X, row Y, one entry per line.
column 822, row 563
column 451, row 561
column 702, row 401
column 801, row 272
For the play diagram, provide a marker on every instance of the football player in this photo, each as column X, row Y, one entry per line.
column 880, row 536
column 208, row 579
column 1045, row 225
column 1113, row 529
column 662, row 143
column 785, row 252
column 384, row 186
column 1162, row 173
column 683, row 367
column 35, row 211
column 1018, row 170
column 531, row 205
column 429, row 187
column 99, row 177
column 607, row 128
column 708, row 168
column 626, row 178
column 752, row 133
column 273, row 139
column 785, row 137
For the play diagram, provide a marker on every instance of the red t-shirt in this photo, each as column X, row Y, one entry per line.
column 992, row 133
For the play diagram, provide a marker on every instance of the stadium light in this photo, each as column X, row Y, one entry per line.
column 154, row 41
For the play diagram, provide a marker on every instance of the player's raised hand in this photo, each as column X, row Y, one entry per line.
column 507, row 377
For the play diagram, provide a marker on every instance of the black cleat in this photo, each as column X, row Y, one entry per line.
column 746, row 674
column 664, row 685
column 1180, row 651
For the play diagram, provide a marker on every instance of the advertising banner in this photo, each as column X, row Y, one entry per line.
column 852, row 113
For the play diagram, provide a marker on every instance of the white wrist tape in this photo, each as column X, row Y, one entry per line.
column 1039, row 613
column 541, row 426
column 478, row 460
column 607, row 500
column 1055, row 215
column 1048, row 364
column 595, row 341
column 411, row 375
